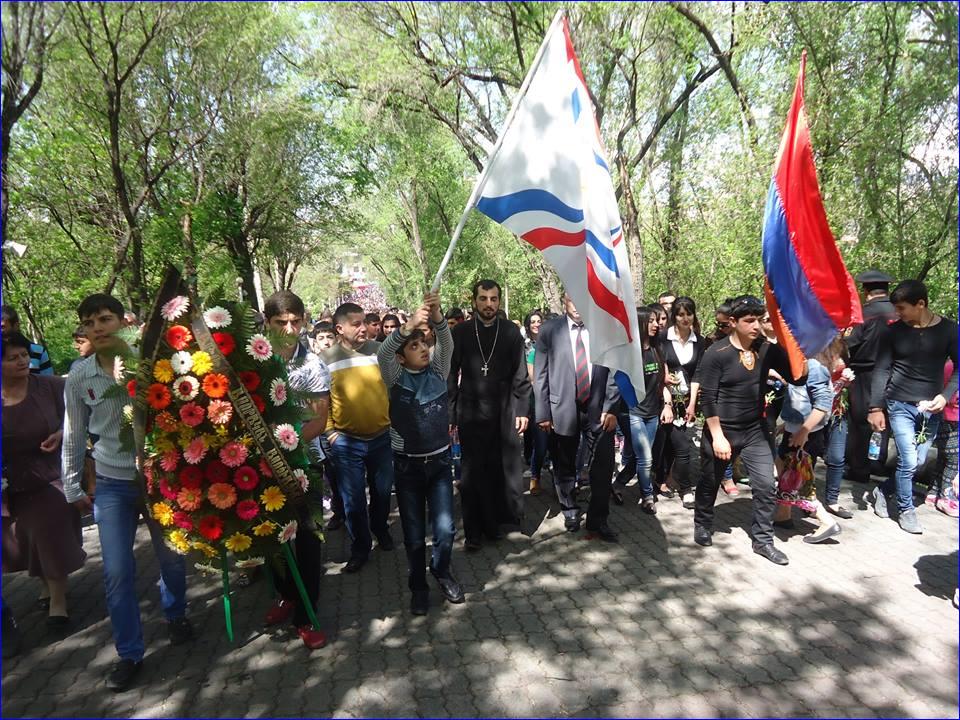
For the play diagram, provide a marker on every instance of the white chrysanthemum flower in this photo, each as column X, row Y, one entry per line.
column 259, row 348
column 288, row 532
column 278, row 392
column 301, row 477
column 181, row 362
column 217, row 317
column 172, row 309
column 286, row 435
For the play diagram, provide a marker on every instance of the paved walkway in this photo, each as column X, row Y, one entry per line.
column 554, row 625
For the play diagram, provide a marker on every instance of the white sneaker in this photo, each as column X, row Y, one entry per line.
column 527, row 474
column 688, row 500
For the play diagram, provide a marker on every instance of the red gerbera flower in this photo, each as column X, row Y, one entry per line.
column 245, row 478
column 179, row 337
column 265, row 468
column 169, row 489
column 258, row 401
column 183, row 520
column 158, row 396
column 225, row 342
column 250, row 379
column 132, row 388
column 191, row 476
column 211, row 527
column 247, row 509
column 216, row 472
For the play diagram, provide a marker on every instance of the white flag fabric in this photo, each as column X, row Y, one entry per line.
column 550, row 184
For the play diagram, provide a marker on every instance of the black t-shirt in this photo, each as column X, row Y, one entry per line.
column 910, row 363
column 864, row 340
column 732, row 391
column 652, row 403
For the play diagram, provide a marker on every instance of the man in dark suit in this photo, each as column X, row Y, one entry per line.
column 574, row 396
column 863, row 342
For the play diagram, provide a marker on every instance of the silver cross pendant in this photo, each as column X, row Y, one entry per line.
column 484, row 368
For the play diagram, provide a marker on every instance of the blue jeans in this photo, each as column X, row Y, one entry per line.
column 423, row 482
column 539, row 454
column 643, row 431
column 354, row 459
column 836, row 449
column 117, row 506
column 904, row 420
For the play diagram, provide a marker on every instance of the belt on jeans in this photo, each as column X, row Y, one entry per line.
column 423, row 458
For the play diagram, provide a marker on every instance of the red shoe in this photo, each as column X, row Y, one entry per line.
column 279, row 613
column 313, row 639
column 730, row 488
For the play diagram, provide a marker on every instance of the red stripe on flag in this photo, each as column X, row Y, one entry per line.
column 571, row 53
column 606, row 300
column 545, row 237
column 786, row 339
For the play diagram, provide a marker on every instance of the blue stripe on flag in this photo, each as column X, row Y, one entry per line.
column 801, row 309
column 615, row 231
column 575, row 101
column 599, row 161
column 604, row 253
column 503, row 207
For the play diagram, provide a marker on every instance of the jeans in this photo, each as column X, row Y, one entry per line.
column 836, row 448
column 539, row 449
column 904, row 420
column 947, row 461
column 628, row 458
column 117, row 506
column 425, row 483
column 354, row 459
column 643, row 432
column 752, row 445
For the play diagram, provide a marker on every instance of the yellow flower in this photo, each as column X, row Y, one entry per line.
column 163, row 444
column 272, row 499
column 186, row 435
column 163, row 371
column 178, row 538
column 201, row 363
column 222, row 431
column 214, row 441
column 246, row 440
column 205, row 548
column 265, row 528
column 163, row 514
column 238, row 542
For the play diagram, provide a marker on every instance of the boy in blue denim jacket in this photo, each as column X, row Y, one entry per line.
column 420, row 421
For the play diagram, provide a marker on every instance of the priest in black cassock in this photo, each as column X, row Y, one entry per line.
column 489, row 402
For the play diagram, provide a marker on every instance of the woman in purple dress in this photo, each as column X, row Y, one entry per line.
column 41, row 531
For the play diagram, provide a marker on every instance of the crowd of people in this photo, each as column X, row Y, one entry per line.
column 428, row 405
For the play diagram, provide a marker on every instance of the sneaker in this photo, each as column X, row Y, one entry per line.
column 649, row 505
column 313, row 639
column 948, row 507
column 688, row 500
column 909, row 522
column 702, row 535
column 527, row 474
column 420, row 602
column 279, row 613
column 880, row 503
column 123, row 674
column 180, row 631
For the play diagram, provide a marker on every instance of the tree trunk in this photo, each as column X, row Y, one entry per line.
column 243, row 264
column 631, row 229
column 671, row 236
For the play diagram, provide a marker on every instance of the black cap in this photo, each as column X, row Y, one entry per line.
column 873, row 277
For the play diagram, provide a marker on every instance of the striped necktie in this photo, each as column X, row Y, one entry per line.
column 582, row 368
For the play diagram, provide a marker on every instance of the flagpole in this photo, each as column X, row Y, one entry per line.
column 482, row 179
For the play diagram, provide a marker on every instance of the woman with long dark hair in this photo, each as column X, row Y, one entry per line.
column 647, row 415
column 682, row 347
column 535, row 439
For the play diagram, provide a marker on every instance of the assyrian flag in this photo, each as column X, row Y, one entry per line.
column 810, row 295
column 550, row 184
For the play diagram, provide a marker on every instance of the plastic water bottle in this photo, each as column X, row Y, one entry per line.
column 873, row 449
column 455, row 445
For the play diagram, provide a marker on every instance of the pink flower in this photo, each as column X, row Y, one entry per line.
column 233, row 454
column 192, row 414
column 278, row 392
column 301, row 477
column 246, row 478
column 168, row 490
column 286, row 435
column 219, row 412
column 288, row 532
column 195, row 451
column 217, row 317
column 172, row 309
column 170, row 459
column 247, row 509
column 265, row 468
column 259, row 348
column 222, row 495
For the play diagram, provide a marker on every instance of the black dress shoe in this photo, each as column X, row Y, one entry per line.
column 840, row 512
column 334, row 523
column 616, row 494
column 354, row 564
column 386, row 542
column 123, row 674
column 604, row 533
column 472, row 544
column 770, row 552
column 572, row 524
column 420, row 602
column 180, row 631
column 450, row 588
column 702, row 535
